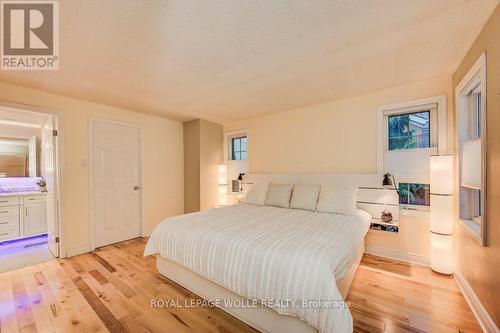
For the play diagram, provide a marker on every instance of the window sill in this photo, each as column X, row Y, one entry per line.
column 473, row 229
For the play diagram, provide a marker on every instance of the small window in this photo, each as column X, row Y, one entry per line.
column 409, row 131
column 239, row 148
column 414, row 194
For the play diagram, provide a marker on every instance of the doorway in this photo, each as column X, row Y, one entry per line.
column 116, row 166
column 29, row 186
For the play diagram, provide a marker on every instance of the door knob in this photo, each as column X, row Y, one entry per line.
column 137, row 188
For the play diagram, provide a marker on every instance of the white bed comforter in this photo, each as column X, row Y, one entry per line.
column 269, row 253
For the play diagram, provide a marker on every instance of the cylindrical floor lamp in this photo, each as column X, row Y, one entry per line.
column 441, row 214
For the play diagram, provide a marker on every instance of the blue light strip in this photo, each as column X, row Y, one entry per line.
column 16, row 245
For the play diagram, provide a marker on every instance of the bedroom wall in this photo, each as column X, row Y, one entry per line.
column 481, row 265
column 340, row 137
column 191, row 166
column 202, row 154
column 210, row 156
column 162, row 186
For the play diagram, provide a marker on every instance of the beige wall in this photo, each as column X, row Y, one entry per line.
column 202, row 153
column 163, row 160
column 191, row 166
column 339, row 137
column 210, row 156
column 481, row 265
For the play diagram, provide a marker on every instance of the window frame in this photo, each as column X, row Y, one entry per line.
column 432, row 125
column 438, row 142
column 473, row 83
column 228, row 153
column 232, row 150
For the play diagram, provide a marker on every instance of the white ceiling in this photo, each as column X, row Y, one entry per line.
column 230, row 59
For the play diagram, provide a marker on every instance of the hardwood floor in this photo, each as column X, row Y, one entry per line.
column 391, row 296
column 111, row 290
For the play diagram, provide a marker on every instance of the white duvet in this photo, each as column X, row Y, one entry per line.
column 268, row 253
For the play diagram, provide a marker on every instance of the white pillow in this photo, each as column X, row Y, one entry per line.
column 339, row 200
column 257, row 194
column 305, row 197
column 278, row 195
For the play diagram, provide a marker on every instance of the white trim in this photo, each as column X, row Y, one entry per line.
column 60, row 162
column 396, row 107
column 476, row 75
column 92, row 121
column 75, row 251
column 408, row 257
column 479, row 68
column 482, row 316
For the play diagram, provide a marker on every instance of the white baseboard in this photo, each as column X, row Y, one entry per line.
column 482, row 316
column 78, row 250
column 411, row 258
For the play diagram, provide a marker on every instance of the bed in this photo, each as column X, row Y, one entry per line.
column 277, row 269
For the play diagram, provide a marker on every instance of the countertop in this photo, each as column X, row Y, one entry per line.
column 13, row 194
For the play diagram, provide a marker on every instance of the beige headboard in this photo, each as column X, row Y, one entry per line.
column 372, row 197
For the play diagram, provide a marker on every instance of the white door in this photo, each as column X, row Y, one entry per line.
column 116, row 172
column 49, row 172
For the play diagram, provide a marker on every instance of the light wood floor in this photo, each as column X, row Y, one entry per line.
column 111, row 289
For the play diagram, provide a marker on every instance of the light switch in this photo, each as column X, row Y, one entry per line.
column 83, row 163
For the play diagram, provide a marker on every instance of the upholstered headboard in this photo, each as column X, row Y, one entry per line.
column 372, row 197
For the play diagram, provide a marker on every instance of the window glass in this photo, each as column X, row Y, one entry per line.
column 410, row 130
column 237, row 144
column 243, row 144
column 239, row 148
column 478, row 114
column 414, row 194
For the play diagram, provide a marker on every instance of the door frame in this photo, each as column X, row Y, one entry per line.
column 92, row 122
column 59, row 160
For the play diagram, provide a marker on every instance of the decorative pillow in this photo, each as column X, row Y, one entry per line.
column 305, row 197
column 339, row 200
column 278, row 195
column 257, row 194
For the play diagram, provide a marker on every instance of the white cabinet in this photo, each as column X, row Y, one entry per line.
column 35, row 217
column 22, row 215
column 9, row 227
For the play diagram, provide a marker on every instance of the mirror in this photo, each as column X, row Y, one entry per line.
column 19, row 157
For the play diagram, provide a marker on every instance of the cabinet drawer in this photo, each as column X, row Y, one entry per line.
column 9, row 211
column 9, row 201
column 10, row 222
column 34, row 199
column 9, row 233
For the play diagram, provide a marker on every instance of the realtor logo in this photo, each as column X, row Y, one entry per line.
column 30, row 35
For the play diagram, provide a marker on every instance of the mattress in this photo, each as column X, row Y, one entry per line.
column 290, row 259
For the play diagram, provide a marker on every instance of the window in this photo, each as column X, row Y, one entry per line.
column 471, row 111
column 408, row 134
column 239, row 148
column 410, row 130
column 414, row 194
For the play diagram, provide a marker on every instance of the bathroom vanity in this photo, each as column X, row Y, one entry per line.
column 22, row 215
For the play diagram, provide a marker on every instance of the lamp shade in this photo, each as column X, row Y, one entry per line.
column 222, row 195
column 222, row 174
column 471, row 164
column 441, row 174
column 441, row 214
column 442, row 253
